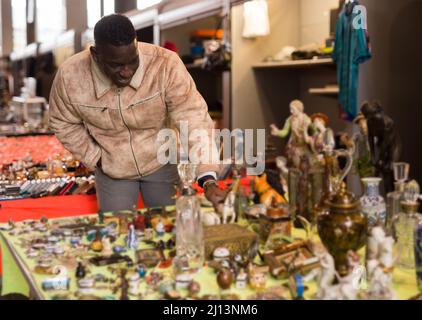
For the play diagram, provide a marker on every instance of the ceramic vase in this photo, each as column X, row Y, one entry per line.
column 372, row 203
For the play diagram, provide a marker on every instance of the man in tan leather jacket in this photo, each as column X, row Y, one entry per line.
column 107, row 106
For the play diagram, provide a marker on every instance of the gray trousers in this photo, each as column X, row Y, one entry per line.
column 157, row 190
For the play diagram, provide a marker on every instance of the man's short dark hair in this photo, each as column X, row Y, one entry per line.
column 115, row 29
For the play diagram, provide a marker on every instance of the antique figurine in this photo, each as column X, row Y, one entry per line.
column 318, row 141
column 258, row 276
column 297, row 126
column 267, row 195
column 160, row 229
column 131, row 239
column 384, row 142
column 241, row 279
column 362, row 155
column 107, row 247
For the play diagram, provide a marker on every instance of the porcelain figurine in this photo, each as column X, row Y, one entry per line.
column 346, row 288
column 380, row 266
column 267, row 194
column 319, row 138
column 149, row 234
column 258, row 276
column 363, row 163
column 373, row 205
column 131, row 239
column 210, row 218
column 281, row 163
column 384, row 142
column 296, row 126
column 160, row 229
column 228, row 210
column 241, row 279
column 107, row 247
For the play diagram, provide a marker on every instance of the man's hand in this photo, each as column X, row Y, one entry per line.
column 215, row 195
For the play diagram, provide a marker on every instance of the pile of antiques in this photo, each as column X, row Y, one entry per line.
column 44, row 169
column 308, row 237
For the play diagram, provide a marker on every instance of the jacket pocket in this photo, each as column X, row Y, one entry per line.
column 97, row 116
column 149, row 112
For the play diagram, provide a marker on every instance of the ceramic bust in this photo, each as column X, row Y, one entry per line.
column 296, row 126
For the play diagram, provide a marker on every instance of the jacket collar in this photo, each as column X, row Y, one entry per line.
column 103, row 84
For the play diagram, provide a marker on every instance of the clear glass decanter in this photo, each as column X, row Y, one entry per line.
column 404, row 226
column 189, row 232
column 394, row 199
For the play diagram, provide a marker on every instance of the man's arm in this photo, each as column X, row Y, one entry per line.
column 185, row 103
column 68, row 126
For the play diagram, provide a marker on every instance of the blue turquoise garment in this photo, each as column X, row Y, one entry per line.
column 351, row 48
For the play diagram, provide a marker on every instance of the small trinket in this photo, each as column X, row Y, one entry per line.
column 221, row 254
column 133, row 283
column 160, row 229
column 166, row 286
column 258, row 276
column 80, row 271
column 141, row 270
column 119, row 249
column 131, row 239
column 194, row 288
column 172, row 295
column 97, row 243
column 107, row 248
column 149, row 234
column 241, row 279
column 183, row 281
column 224, row 278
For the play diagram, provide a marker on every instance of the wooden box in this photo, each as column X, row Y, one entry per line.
column 236, row 238
column 298, row 260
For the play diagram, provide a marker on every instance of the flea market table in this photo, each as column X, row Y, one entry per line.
column 20, row 271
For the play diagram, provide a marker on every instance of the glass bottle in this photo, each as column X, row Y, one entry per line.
column 189, row 232
column 418, row 252
column 394, row 199
column 404, row 226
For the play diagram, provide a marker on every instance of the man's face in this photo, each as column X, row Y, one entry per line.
column 119, row 63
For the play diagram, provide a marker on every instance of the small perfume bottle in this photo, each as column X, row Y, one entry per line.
column 404, row 226
column 394, row 199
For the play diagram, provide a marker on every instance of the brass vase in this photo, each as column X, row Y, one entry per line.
column 342, row 227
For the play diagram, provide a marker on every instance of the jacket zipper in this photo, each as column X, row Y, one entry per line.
column 144, row 100
column 130, row 134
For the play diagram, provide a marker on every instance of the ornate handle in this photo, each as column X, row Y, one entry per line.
column 349, row 163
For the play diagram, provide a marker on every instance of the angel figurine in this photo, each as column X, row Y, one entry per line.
column 297, row 125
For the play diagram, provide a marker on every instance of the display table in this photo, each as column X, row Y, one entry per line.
column 19, row 275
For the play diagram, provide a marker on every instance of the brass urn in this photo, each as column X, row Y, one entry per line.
column 342, row 227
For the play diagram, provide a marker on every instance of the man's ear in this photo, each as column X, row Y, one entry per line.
column 94, row 53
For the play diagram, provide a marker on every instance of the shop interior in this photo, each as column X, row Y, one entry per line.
column 332, row 86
